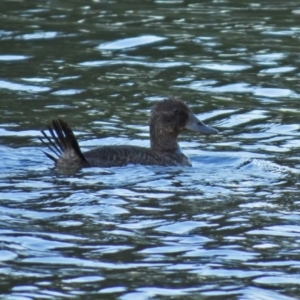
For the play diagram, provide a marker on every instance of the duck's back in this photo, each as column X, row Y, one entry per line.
column 115, row 156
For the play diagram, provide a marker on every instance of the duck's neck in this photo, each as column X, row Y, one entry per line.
column 163, row 142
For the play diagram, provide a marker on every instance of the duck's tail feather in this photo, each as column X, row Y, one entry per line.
column 63, row 144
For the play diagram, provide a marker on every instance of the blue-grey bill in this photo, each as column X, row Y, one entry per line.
column 195, row 124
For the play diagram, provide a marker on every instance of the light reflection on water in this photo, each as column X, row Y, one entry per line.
column 227, row 227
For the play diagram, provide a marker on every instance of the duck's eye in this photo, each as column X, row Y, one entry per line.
column 176, row 110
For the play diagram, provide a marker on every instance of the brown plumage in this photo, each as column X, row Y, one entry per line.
column 168, row 118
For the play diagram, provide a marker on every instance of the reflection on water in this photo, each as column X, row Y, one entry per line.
column 226, row 228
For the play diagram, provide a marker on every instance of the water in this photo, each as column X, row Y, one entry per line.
column 227, row 228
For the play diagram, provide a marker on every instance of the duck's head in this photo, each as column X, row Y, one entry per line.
column 169, row 117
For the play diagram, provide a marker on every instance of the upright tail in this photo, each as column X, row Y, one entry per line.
column 62, row 143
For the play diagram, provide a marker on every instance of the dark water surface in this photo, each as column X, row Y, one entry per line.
column 228, row 228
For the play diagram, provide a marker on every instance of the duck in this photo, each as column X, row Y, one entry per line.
column 168, row 118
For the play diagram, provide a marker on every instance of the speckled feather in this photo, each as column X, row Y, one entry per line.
column 121, row 155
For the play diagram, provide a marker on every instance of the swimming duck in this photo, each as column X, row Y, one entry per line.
column 167, row 119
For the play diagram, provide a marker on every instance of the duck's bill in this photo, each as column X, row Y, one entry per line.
column 195, row 124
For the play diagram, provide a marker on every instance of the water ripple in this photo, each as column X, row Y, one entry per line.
column 130, row 42
column 22, row 87
column 228, row 227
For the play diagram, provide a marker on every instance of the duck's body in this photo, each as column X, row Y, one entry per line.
column 112, row 156
column 168, row 118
